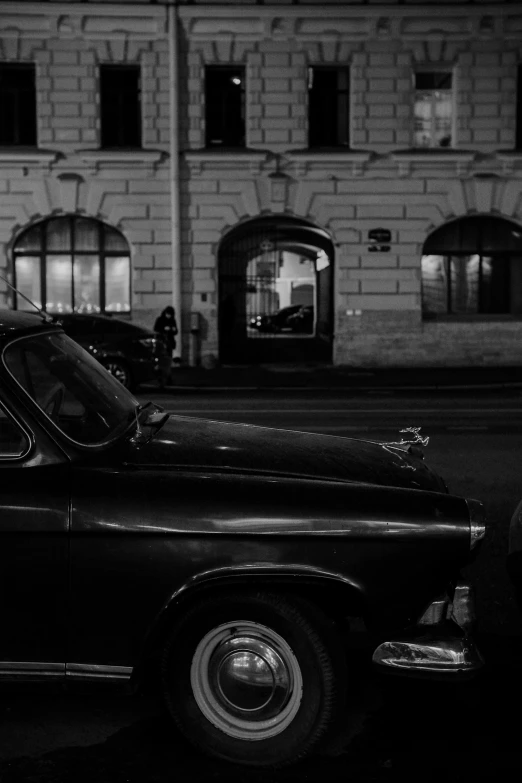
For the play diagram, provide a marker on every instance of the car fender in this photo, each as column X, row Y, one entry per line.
column 305, row 580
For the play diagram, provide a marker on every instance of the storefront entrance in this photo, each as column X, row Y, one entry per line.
column 275, row 293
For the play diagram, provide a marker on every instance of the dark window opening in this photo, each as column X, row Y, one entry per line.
column 71, row 264
column 224, row 106
column 433, row 80
column 473, row 266
column 120, row 106
column 328, row 106
column 18, row 105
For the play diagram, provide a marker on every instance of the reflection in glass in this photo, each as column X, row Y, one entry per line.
column 465, row 284
column 86, row 284
column 59, row 234
column 114, row 241
column 434, row 284
column 30, row 240
column 86, row 234
column 27, row 273
column 117, row 284
column 59, row 276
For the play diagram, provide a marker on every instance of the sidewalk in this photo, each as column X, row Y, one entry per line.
column 327, row 377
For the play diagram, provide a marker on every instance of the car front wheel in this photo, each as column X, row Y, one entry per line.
column 120, row 371
column 252, row 678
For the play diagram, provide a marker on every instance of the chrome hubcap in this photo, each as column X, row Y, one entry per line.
column 246, row 680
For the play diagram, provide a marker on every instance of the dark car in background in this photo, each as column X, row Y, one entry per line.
column 237, row 568
column 131, row 353
column 295, row 318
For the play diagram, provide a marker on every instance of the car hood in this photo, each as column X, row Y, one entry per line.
column 201, row 444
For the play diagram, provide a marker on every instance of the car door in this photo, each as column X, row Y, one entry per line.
column 34, row 527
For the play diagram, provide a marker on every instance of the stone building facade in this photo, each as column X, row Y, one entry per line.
column 275, row 189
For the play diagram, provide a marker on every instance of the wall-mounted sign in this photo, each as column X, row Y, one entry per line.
column 379, row 238
column 379, row 235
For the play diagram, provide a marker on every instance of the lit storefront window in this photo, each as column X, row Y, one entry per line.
column 72, row 264
column 473, row 266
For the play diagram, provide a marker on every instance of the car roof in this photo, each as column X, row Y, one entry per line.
column 107, row 324
column 16, row 323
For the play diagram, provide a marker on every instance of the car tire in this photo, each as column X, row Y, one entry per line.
column 120, row 370
column 284, row 646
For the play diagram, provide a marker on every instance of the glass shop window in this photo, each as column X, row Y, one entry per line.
column 473, row 266
column 433, row 109
column 72, row 264
column 18, row 105
column 224, row 106
column 328, row 106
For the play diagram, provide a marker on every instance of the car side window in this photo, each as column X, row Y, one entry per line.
column 43, row 385
column 13, row 440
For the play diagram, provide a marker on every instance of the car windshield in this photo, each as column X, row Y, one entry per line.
column 81, row 398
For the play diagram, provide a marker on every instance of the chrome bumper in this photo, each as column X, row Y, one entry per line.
column 441, row 643
column 434, row 654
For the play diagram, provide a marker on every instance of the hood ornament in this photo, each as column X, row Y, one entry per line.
column 418, row 439
column 413, row 445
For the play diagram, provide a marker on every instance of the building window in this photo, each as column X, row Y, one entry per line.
column 72, row 264
column 473, row 266
column 120, row 106
column 519, row 109
column 224, row 106
column 18, row 105
column 328, row 106
column 433, row 109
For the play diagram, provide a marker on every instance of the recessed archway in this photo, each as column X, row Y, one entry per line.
column 275, row 292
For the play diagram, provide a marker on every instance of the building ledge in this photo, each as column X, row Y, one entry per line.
column 28, row 156
column 510, row 160
column 327, row 158
column 223, row 158
column 408, row 159
column 119, row 158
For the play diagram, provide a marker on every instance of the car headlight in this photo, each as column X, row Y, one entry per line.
column 477, row 522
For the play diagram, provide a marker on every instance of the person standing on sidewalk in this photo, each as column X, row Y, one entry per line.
column 167, row 327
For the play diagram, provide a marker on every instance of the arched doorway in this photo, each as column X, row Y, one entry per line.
column 275, row 292
column 473, row 266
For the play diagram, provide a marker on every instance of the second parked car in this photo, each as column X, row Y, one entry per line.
column 131, row 353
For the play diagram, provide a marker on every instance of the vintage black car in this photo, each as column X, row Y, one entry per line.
column 234, row 565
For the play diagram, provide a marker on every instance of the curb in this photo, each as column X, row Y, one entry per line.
column 440, row 387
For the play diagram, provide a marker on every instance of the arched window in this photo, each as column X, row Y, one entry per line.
column 473, row 266
column 72, row 264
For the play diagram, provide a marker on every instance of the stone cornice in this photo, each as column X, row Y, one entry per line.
column 510, row 159
column 304, row 160
column 352, row 23
column 82, row 20
column 10, row 158
column 409, row 159
column 121, row 158
column 201, row 160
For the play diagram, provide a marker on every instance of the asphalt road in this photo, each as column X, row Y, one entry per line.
column 418, row 730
